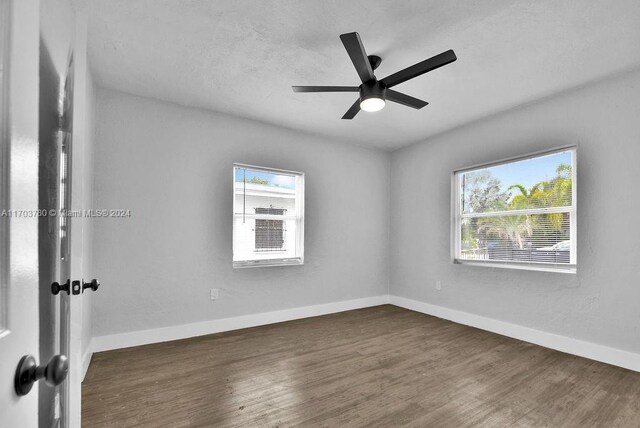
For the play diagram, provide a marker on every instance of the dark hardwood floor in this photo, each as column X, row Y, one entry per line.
column 381, row 366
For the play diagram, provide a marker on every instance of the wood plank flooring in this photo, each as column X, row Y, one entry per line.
column 382, row 366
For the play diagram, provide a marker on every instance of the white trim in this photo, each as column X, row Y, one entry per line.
column 266, row 217
column 512, row 159
column 267, row 169
column 144, row 337
column 593, row 351
column 509, row 264
column 86, row 359
column 290, row 261
column 456, row 220
column 529, row 211
column 573, row 219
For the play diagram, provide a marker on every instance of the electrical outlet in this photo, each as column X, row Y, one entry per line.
column 215, row 293
column 438, row 284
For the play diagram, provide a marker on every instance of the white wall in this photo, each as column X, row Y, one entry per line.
column 600, row 303
column 172, row 167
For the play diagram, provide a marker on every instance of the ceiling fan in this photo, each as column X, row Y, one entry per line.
column 374, row 92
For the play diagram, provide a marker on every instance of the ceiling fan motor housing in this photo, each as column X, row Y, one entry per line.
column 372, row 89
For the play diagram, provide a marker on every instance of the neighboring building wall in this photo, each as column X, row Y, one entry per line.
column 600, row 303
column 259, row 196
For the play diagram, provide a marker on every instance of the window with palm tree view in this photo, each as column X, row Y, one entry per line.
column 518, row 213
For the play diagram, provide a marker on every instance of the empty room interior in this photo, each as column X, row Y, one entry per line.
column 319, row 213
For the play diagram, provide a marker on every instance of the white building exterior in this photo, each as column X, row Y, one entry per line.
column 265, row 222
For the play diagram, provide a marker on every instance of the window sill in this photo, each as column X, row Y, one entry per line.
column 297, row 261
column 541, row 267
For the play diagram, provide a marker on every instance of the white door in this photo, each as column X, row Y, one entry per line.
column 19, row 315
column 55, row 118
column 63, row 139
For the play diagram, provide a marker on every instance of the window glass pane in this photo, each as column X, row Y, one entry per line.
column 543, row 238
column 261, row 192
column 265, row 178
column 543, row 181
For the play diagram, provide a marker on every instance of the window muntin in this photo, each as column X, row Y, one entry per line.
column 268, row 208
column 520, row 213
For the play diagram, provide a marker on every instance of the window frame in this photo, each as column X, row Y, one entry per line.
column 298, row 217
column 456, row 217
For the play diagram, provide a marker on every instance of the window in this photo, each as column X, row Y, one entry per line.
column 519, row 213
column 268, row 217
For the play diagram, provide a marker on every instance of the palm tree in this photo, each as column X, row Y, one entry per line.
column 548, row 193
column 527, row 198
column 518, row 229
column 514, row 228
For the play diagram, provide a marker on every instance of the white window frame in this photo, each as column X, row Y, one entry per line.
column 457, row 215
column 298, row 217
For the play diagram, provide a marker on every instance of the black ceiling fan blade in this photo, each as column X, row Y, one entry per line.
column 358, row 55
column 325, row 88
column 405, row 100
column 353, row 110
column 420, row 68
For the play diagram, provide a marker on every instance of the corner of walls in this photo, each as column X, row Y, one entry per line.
column 88, row 203
column 587, row 314
column 87, row 355
column 389, row 212
column 581, row 348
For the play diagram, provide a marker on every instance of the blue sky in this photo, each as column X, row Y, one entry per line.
column 275, row 180
column 530, row 171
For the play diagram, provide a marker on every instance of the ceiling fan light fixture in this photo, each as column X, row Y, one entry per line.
column 372, row 104
column 372, row 96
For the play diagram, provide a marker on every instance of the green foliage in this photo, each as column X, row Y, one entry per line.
column 523, row 229
column 255, row 180
column 548, row 193
column 482, row 193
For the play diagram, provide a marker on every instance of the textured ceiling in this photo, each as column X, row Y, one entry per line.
column 241, row 57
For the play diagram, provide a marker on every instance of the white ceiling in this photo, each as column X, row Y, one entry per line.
column 241, row 57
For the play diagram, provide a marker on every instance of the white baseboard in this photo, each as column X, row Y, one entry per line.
column 605, row 354
column 164, row 334
column 86, row 359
